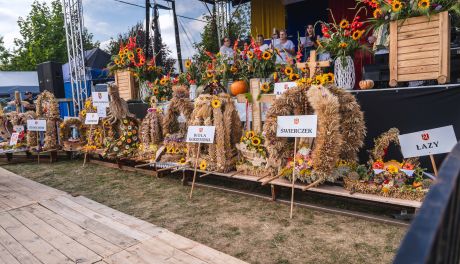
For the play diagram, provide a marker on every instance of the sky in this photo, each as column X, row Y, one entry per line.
column 107, row 18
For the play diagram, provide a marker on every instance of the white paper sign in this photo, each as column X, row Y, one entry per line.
column 92, row 119
column 14, row 139
column 201, row 134
column 100, row 98
column 18, row 128
column 36, row 125
column 282, row 87
column 297, row 126
column 428, row 142
column 101, row 111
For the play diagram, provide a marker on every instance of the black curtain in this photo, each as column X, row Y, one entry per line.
column 409, row 110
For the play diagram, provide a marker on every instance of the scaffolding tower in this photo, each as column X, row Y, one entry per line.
column 73, row 23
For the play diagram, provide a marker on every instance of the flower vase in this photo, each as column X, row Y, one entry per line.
column 344, row 71
column 192, row 91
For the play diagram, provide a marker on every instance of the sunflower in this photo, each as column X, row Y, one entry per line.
column 250, row 54
column 209, row 74
column 215, row 103
column 188, row 63
column 305, row 69
column 266, row 55
column 177, row 150
column 319, row 80
column 343, row 45
column 392, row 169
column 203, row 165
column 139, row 50
column 117, row 61
column 357, row 34
column 256, row 141
column 288, row 70
column 329, row 77
column 423, row 4
column 293, row 76
column 344, row 24
column 396, row 6
column 377, row 13
column 131, row 56
column 233, row 69
column 163, row 81
column 250, row 134
column 155, row 90
column 182, row 161
column 265, row 87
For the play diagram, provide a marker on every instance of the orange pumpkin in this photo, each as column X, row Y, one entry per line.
column 238, row 87
column 366, row 84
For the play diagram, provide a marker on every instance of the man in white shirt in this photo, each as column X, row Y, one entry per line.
column 260, row 43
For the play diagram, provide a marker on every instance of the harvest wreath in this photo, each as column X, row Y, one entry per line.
column 395, row 179
column 150, row 132
column 48, row 109
column 72, row 141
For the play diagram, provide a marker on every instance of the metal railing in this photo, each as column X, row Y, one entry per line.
column 434, row 235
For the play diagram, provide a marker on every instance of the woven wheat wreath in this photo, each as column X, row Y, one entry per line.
column 65, row 131
column 48, row 109
column 340, row 134
column 151, row 132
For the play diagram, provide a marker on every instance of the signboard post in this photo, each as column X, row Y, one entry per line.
column 428, row 143
column 91, row 120
column 38, row 126
column 199, row 134
column 296, row 126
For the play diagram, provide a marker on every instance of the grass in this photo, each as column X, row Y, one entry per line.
column 248, row 228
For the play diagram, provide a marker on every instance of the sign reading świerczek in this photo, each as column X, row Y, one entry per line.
column 297, row 126
column 201, row 134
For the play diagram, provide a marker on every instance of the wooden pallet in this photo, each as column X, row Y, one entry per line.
column 420, row 49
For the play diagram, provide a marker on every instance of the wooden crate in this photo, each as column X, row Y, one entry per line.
column 127, row 85
column 420, row 49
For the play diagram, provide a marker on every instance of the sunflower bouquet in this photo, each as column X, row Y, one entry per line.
column 261, row 63
column 384, row 11
column 285, row 73
column 161, row 88
column 252, row 150
column 192, row 74
column 342, row 39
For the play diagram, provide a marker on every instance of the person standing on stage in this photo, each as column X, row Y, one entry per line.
column 285, row 47
column 308, row 43
column 226, row 51
column 260, row 43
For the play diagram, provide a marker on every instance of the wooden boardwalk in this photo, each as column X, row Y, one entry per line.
column 39, row 224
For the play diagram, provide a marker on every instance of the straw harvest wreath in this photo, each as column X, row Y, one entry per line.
column 219, row 111
column 46, row 108
column 174, row 131
column 65, row 131
column 151, row 134
column 122, row 139
column 7, row 123
column 340, row 133
column 93, row 135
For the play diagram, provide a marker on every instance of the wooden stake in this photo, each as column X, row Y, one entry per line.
column 38, row 147
column 293, row 178
column 435, row 169
column 86, row 152
column 194, row 171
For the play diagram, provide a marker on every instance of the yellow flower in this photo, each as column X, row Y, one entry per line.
column 319, row 80
column 305, row 69
column 357, row 34
column 377, row 13
column 233, row 69
column 343, row 45
column 329, row 77
column 344, row 23
column 392, row 169
column 182, row 161
column 423, row 4
column 155, row 90
column 265, row 87
column 250, row 54
column 130, row 55
column 293, row 77
column 242, row 139
column 215, row 103
column 256, row 141
column 117, row 61
column 250, row 134
column 83, row 112
column 203, row 165
column 385, row 189
column 209, row 74
column 288, row 70
column 396, row 6
column 275, row 75
column 266, row 55
column 163, row 81
column 188, row 63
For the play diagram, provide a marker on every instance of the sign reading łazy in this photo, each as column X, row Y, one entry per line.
column 428, row 142
column 297, row 126
column 201, row 134
column 36, row 125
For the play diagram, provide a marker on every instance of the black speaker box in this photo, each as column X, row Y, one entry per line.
column 138, row 108
column 50, row 78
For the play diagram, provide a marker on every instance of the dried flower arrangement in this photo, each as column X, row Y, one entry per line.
column 94, row 135
column 395, row 179
column 253, row 155
column 219, row 111
column 151, row 134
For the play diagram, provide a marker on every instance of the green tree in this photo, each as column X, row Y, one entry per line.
column 42, row 38
column 4, row 54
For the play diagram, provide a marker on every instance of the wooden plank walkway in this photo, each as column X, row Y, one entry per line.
column 39, row 224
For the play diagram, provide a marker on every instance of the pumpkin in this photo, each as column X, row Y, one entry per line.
column 366, row 84
column 238, row 87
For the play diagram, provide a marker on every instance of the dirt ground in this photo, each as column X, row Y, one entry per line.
column 252, row 229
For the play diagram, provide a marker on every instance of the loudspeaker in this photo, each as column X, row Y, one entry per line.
column 50, row 78
column 137, row 108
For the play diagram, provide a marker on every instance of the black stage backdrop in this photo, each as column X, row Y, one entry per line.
column 409, row 110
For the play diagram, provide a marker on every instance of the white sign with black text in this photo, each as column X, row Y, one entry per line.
column 14, row 139
column 101, row 111
column 92, row 119
column 101, row 98
column 18, row 128
column 201, row 134
column 282, row 87
column 428, row 142
column 297, row 126
column 36, row 125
